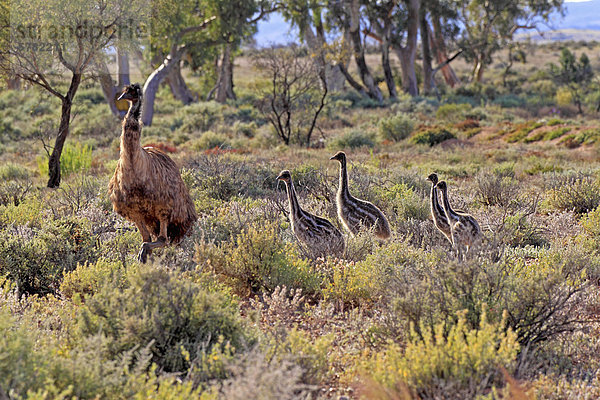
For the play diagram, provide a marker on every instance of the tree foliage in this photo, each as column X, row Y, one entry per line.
column 574, row 74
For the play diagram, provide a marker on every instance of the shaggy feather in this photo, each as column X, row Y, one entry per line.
column 147, row 188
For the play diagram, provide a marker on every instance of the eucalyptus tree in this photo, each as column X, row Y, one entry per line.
column 346, row 14
column 576, row 75
column 324, row 42
column 53, row 44
column 236, row 21
column 396, row 25
column 177, row 27
column 489, row 26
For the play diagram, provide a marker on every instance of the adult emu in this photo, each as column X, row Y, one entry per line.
column 147, row 188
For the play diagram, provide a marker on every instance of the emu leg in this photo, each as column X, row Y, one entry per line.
column 142, row 255
column 148, row 246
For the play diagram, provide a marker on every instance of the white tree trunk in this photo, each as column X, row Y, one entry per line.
column 151, row 86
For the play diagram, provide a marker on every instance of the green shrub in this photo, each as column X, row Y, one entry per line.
column 579, row 194
column 200, row 117
column 510, row 101
column 210, row 140
column 350, row 140
column 477, row 113
column 432, row 136
column 177, row 319
column 556, row 133
column 349, row 284
column 8, row 132
column 497, row 187
column 453, row 112
column 258, row 260
column 405, row 202
column 91, row 95
column 247, row 129
column 429, row 289
column 395, row 128
column 310, row 354
column 11, row 172
column 74, row 158
column 520, row 131
column 555, row 121
column 464, row 363
column 36, row 261
column 23, row 364
column 585, row 137
column 88, row 278
column 29, row 212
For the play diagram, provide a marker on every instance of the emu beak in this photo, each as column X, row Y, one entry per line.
column 332, row 158
column 124, row 96
column 278, row 177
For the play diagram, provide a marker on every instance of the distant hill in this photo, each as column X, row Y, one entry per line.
column 580, row 15
column 586, row 35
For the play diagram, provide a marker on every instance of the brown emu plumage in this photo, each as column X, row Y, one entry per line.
column 147, row 188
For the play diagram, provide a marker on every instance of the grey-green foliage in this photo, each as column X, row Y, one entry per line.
column 539, row 297
column 396, row 127
column 36, row 259
column 177, row 318
column 575, row 74
column 351, row 139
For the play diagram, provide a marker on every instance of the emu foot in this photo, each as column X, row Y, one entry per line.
column 143, row 254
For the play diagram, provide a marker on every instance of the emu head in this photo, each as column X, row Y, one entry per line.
column 339, row 156
column 433, row 178
column 442, row 186
column 284, row 176
column 131, row 93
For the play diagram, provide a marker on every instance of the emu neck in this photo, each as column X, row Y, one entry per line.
column 436, row 208
column 295, row 209
column 343, row 187
column 131, row 151
column 136, row 108
column 449, row 211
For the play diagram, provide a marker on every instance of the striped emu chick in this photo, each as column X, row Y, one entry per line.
column 437, row 211
column 318, row 234
column 354, row 212
column 147, row 188
column 464, row 229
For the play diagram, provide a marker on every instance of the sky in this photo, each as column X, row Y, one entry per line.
column 581, row 14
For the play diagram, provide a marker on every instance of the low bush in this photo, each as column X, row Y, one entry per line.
column 555, row 121
column 510, row 101
column 350, row 140
column 247, row 129
column 349, row 284
column 538, row 295
column 405, row 202
column 576, row 193
column 210, row 140
column 74, row 158
column 200, row 117
column 453, row 112
column 258, row 260
column 11, row 172
column 520, row 131
column 395, row 128
column 496, row 188
column 177, row 319
column 432, row 136
column 585, row 137
column 36, row 261
column 556, row 133
column 463, row 363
